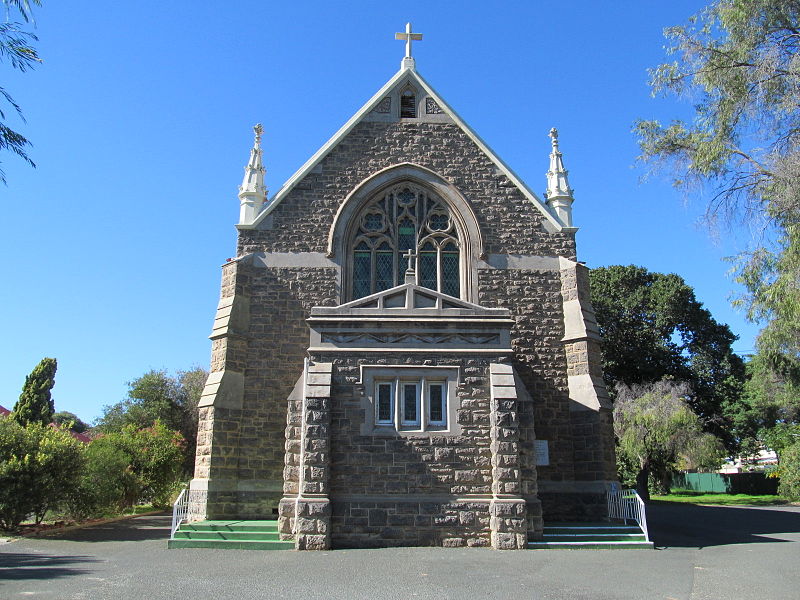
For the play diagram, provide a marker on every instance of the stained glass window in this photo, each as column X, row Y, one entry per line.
column 405, row 217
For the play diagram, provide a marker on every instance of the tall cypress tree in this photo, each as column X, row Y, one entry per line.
column 35, row 404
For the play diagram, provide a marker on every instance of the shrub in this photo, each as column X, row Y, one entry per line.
column 39, row 470
column 127, row 467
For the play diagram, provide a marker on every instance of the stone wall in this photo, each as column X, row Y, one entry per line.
column 247, row 449
column 510, row 223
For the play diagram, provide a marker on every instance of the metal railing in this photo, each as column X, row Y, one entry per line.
column 627, row 506
column 189, row 502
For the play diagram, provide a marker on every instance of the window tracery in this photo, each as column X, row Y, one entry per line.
column 405, row 217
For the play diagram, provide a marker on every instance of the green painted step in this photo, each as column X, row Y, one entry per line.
column 231, row 526
column 590, row 545
column 592, row 530
column 595, row 537
column 231, row 544
column 272, row 536
column 240, row 535
column 602, row 535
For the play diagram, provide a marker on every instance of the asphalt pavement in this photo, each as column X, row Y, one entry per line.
column 703, row 552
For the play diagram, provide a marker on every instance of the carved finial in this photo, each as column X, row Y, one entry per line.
column 558, row 194
column 253, row 192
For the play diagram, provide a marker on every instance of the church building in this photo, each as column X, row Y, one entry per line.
column 404, row 352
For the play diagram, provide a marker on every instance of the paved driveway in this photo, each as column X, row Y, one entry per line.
column 704, row 552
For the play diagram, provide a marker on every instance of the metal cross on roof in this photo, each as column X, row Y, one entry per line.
column 408, row 36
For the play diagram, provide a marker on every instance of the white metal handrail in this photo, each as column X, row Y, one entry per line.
column 183, row 505
column 627, row 506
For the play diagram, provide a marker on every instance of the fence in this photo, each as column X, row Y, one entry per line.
column 189, row 502
column 726, row 483
column 627, row 506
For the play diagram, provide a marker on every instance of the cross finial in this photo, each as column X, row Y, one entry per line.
column 411, row 274
column 408, row 36
column 258, row 130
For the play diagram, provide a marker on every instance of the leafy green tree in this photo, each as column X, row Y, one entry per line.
column 70, row 420
column 656, row 429
column 39, row 469
column 35, row 404
column 653, row 327
column 16, row 49
column 738, row 64
column 159, row 396
column 790, row 472
column 769, row 406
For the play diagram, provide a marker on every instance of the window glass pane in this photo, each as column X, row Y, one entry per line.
column 410, row 413
column 362, row 274
column 384, row 270
column 384, row 403
column 450, row 279
column 427, row 270
column 436, row 403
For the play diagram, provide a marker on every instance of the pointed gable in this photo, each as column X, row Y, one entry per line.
column 388, row 104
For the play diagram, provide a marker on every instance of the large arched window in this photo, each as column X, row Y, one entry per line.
column 402, row 218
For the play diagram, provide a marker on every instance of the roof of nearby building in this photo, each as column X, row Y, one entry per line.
column 4, row 412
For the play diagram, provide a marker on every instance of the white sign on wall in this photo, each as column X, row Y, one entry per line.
column 541, row 452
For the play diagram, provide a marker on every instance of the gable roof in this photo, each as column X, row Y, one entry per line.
column 407, row 300
column 403, row 76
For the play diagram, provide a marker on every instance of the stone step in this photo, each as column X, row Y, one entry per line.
column 597, row 545
column 186, row 534
column 231, row 544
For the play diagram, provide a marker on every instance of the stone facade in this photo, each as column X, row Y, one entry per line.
column 288, row 421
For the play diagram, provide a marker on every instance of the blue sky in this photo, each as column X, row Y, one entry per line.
column 141, row 117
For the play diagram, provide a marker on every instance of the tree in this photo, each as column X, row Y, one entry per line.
column 653, row 327
column 655, row 428
column 157, row 396
column 35, row 404
column 769, row 406
column 738, row 62
column 790, row 472
column 39, row 469
column 70, row 420
column 16, row 49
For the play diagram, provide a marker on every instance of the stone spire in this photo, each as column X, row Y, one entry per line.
column 253, row 192
column 407, row 36
column 558, row 194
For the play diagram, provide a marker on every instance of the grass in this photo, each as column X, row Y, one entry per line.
column 690, row 497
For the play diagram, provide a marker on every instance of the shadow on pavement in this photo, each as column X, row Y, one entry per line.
column 19, row 566
column 137, row 529
column 692, row 526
